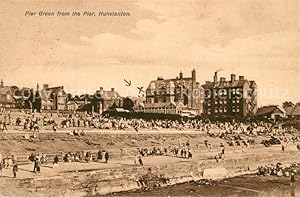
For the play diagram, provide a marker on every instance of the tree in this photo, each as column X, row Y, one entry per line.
column 69, row 97
column 128, row 104
column 288, row 104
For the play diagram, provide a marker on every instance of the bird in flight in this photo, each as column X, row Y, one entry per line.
column 140, row 89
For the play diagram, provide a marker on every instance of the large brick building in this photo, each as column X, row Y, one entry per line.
column 180, row 93
column 53, row 98
column 107, row 99
column 6, row 96
column 234, row 98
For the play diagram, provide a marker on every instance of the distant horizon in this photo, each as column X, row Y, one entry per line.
column 91, row 91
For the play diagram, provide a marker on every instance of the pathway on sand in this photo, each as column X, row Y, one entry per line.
column 25, row 171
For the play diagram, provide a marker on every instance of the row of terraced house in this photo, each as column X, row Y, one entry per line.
column 180, row 95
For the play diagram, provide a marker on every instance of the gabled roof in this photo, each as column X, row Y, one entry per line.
column 5, row 90
column 136, row 99
column 296, row 111
column 238, row 83
column 289, row 110
column 160, row 83
column 268, row 109
column 225, row 84
column 48, row 93
column 252, row 83
column 108, row 94
column 162, row 105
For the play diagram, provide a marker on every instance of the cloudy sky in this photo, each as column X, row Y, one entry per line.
column 259, row 39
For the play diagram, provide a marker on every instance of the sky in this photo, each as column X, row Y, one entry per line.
column 259, row 39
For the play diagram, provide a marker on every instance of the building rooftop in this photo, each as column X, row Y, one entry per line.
column 268, row 109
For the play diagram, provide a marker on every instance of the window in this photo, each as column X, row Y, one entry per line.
column 233, row 101
column 237, row 110
column 225, row 101
column 221, row 101
column 221, row 110
column 216, row 102
column 238, row 101
column 233, row 91
column 216, row 110
column 225, row 110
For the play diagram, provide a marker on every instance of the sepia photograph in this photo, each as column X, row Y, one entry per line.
column 130, row 98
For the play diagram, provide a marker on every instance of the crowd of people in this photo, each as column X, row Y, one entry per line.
column 182, row 150
column 7, row 163
column 213, row 129
column 278, row 169
column 76, row 122
column 34, row 122
column 100, row 156
column 79, row 156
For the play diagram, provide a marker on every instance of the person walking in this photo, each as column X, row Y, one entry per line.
column 222, row 150
column 106, row 156
column 55, row 161
column 34, row 163
column 140, row 160
column 292, row 178
column 99, row 155
column 37, row 165
column 15, row 168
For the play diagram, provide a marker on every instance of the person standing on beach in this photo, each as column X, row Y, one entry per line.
column 99, row 155
column 222, row 147
column 55, row 161
column 140, row 160
column 37, row 165
column 106, row 156
column 292, row 178
column 15, row 168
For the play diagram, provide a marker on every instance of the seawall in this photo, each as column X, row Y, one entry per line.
column 105, row 181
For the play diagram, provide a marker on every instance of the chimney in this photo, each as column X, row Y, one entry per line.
column 112, row 89
column 222, row 79
column 37, row 86
column 216, row 77
column 45, row 86
column 101, row 90
column 193, row 75
column 2, row 84
column 232, row 78
column 241, row 77
column 180, row 75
